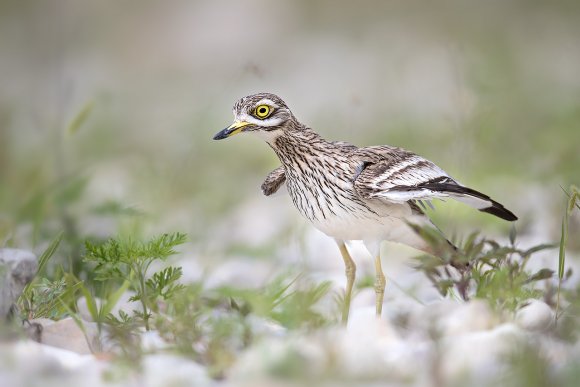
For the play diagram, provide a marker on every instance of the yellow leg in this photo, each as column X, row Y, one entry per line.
column 350, row 276
column 379, row 285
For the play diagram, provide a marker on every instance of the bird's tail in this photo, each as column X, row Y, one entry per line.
column 472, row 198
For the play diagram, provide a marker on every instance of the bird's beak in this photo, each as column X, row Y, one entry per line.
column 234, row 128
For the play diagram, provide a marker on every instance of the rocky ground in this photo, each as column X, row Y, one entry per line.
column 422, row 339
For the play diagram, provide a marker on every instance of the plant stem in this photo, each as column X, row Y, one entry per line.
column 139, row 270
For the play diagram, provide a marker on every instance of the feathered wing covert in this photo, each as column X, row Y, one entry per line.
column 395, row 175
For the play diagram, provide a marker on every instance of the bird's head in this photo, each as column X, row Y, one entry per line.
column 264, row 114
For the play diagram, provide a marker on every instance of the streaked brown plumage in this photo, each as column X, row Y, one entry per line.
column 347, row 192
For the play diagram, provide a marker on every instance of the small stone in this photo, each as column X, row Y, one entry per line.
column 363, row 350
column 152, row 341
column 261, row 326
column 17, row 269
column 160, row 370
column 535, row 316
column 27, row 363
column 296, row 356
column 422, row 322
column 363, row 323
column 451, row 318
column 478, row 354
column 468, row 317
column 67, row 334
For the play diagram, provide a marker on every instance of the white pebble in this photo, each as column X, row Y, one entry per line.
column 535, row 316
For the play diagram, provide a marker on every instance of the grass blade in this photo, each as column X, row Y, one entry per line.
column 43, row 260
column 574, row 198
column 80, row 118
column 113, row 298
column 91, row 303
column 49, row 252
column 562, row 254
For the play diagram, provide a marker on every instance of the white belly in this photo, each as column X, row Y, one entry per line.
column 390, row 226
column 350, row 218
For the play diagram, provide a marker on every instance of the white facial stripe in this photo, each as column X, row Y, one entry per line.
column 266, row 101
column 253, row 120
column 271, row 121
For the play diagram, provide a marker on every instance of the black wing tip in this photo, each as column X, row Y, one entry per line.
column 445, row 183
column 501, row 212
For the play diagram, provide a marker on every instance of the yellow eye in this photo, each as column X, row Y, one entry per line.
column 262, row 111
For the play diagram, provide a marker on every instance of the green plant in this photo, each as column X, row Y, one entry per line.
column 288, row 302
column 42, row 297
column 573, row 201
column 483, row 268
column 128, row 262
column 50, row 299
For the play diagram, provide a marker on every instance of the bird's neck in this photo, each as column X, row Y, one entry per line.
column 297, row 144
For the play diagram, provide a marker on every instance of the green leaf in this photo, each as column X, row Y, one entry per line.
column 128, row 260
column 513, row 234
column 164, row 283
column 562, row 255
column 537, row 248
column 43, row 260
column 540, row 275
column 81, row 117
column 50, row 296
column 572, row 202
column 114, row 297
column 91, row 303
column 49, row 252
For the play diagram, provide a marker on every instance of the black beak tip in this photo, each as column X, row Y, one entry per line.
column 221, row 135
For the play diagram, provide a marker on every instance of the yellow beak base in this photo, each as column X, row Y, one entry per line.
column 234, row 128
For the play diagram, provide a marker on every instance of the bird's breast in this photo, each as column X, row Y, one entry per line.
column 323, row 192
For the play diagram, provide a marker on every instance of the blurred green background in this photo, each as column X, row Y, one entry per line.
column 107, row 108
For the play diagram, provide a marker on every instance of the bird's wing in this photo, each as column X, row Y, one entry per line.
column 273, row 181
column 395, row 175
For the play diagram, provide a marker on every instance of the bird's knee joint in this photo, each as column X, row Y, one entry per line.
column 380, row 284
column 380, row 279
column 350, row 271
